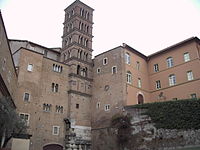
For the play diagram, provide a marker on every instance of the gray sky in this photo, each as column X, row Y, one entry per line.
column 146, row 25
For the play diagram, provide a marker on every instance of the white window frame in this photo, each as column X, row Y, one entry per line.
column 98, row 70
column 158, row 84
column 170, row 62
column 172, row 80
column 29, row 95
column 113, row 69
column 107, row 107
column 129, row 77
column 156, row 67
column 190, row 76
column 127, row 58
column 58, row 130
column 105, row 63
column 30, row 67
column 25, row 121
column 186, row 57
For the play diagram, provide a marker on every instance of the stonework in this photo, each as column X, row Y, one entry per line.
column 69, row 98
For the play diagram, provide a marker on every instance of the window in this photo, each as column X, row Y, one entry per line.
column 193, row 95
column 46, row 107
column 170, row 62
column 172, row 79
column 30, row 67
column 186, row 57
column 59, row 109
column 156, row 68
column 98, row 105
column 190, row 75
column 158, row 84
column 54, row 87
column 175, row 99
column 57, row 68
column 138, row 65
column 114, row 69
column 25, row 118
column 127, row 59
column 56, row 130
column 105, row 61
column 139, row 83
column 98, row 70
column 107, row 107
column 129, row 77
column 26, row 96
column 77, row 106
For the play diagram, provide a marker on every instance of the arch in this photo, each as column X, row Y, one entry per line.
column 53, row 147
column 87, row 30
column 86, row 57
column 82, row 26
column 78, row 69
column 140, row 99
column 86, row 43
column 80, row 54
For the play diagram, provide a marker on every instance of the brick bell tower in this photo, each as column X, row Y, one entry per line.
column 77, row 53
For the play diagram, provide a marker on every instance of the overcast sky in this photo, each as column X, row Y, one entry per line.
column 146, row 25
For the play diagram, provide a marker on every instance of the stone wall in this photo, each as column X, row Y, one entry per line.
column 152, row 138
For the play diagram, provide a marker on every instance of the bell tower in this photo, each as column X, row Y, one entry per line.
column 77, row 53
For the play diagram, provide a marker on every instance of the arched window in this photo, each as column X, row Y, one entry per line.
column 80, row 54
column 82, row 26
column 69, row 54
column 86, row 57
column 88, row 16
column 129, row 77
column 81, row 41
column 170, row 62
column 140, row 99
column 87, row 30
column 78, row 69
column 86, row 43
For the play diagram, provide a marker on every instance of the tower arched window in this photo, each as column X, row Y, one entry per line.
column 69, row 54
column 86, row 43
column 86, row 57
column 78, row 69
column 81, row 42
column 79, row 25
column 82, row 26
column 80, row 54
column 87, row 30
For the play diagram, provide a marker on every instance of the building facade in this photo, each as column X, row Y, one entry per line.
column 65, row 96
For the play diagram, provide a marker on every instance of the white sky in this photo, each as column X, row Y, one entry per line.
column 146, row 25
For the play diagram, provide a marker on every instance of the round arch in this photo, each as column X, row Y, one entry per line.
column 140, row 98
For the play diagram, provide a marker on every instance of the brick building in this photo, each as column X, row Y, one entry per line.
column 65, row 96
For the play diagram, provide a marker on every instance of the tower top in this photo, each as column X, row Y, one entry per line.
column 78, row 2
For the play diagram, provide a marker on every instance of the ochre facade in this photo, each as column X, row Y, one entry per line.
column 65, row 96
